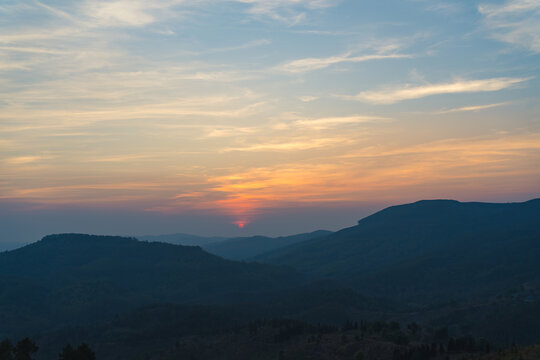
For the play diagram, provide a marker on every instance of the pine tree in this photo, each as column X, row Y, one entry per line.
column 25, row 349
column 68, row 353
column 85, row 353
column 6, row 350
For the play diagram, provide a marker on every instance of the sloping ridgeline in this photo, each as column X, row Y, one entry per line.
column 182, row 239
column 75, row 278
column 429, row 251
column 239, row 248
column 243, row 248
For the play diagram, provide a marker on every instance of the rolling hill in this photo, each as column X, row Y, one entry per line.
column 75, row 278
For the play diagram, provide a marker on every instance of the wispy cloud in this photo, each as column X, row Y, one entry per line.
column 219, row 132
column 37, row 34
column 292, row 145
column 128, row 12
column 393, row 95
column 444, row 7
column 441, row 6
column 325, row 123
column 11, row 65
column 57, row 12
column 19, row 160
column 300, row 124
column 148, row 111
column 246, row 45
column 308, row 98
column 36, row 50
column 493, row 145
column 474, row 108
column 290, row 12
column 121, row 158
column 119, row 13
column 311, row 64
column 515, row 22
column 509, row 7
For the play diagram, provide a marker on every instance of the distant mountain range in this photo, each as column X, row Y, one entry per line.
column 240, row 248
column 183, row 239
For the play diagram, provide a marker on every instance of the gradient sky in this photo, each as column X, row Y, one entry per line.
column 162, row 116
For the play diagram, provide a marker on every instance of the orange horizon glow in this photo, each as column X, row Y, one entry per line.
column 463, row 169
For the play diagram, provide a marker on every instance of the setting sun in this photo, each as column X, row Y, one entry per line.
column 241, row 224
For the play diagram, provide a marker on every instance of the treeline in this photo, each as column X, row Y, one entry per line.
column 407, row 340
column 286, row 329
column 25, row 349
column 460, row 345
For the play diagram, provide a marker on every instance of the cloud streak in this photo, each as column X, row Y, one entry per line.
column 290, row 12
column 516, row 22
column 311, row 64
column 325, row 123
column 474, row 108
column 394, row 95
column 298, row 145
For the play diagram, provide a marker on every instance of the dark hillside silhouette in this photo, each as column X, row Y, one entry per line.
column 238, row 248
column 71, row 278
column 438, row 250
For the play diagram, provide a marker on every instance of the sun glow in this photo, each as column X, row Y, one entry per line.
column 240, row 223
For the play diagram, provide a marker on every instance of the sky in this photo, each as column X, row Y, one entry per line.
column 230, row 117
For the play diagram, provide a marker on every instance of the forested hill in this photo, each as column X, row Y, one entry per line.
column 429, row 251
column 237, row 248
column 74, row 277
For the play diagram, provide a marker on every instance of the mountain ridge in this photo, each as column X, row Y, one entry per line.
column 235, row 248
column 244, row 248
column 406, row 241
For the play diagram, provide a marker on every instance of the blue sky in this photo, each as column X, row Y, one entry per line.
column 239, row 110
